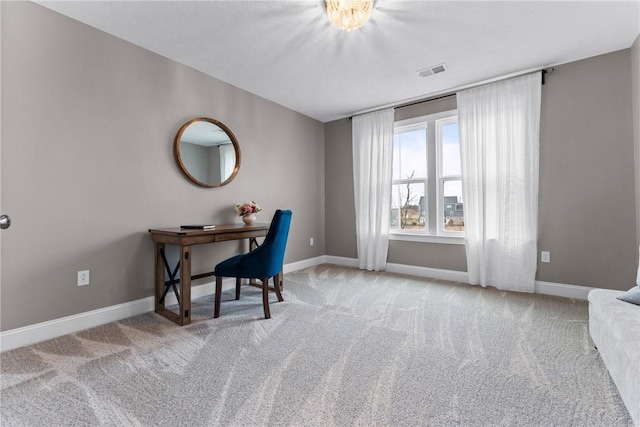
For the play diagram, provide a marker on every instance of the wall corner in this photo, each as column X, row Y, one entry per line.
column 635, row 88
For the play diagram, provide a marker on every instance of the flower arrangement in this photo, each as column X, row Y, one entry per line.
column 248, row 208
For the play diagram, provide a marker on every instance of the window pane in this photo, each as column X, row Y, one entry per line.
column 453, row 206
column 410, row 154
column 394, row 218
column 395, row 158
column 408, row 206
column 450, row 149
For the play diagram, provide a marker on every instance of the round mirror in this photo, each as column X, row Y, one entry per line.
column 207, row 152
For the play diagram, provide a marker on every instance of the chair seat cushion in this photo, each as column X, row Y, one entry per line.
column 238, row 267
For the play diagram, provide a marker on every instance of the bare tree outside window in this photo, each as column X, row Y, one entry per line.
column 408, row 206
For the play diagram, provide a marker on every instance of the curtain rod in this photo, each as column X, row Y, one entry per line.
column 543, row 71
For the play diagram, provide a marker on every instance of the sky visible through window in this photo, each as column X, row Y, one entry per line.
column 451, row 159
column 409, row 154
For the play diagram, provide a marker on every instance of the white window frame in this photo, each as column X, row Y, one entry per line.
column 434, row 230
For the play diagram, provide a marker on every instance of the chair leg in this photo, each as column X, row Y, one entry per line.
column 276, row 287
column 238, row 284
column 265, row 297
column 218, row 297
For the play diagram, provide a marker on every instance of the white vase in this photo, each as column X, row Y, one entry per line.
column 249, row 219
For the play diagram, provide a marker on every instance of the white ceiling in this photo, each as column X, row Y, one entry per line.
column 287, row 52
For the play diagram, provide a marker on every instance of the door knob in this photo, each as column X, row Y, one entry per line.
column 5, row 221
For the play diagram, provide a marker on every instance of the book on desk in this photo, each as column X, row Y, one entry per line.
column 198, row 227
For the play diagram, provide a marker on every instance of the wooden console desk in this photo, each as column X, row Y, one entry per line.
column 185, row 239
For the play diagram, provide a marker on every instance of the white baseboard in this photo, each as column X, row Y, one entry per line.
column 562, row 290
column 32, row 334
column 305, row 263
column 545, row 288
column 433, row 273
column 411, row 270
column 347, row 262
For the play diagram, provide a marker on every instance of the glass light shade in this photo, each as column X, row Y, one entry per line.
column 349, row 14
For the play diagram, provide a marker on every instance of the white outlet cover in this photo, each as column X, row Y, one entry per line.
column 545, row 256
column 83, row 278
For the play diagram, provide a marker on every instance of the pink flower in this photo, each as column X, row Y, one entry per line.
column 247, row 208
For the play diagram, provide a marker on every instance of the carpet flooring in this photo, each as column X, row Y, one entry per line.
column 346, row 348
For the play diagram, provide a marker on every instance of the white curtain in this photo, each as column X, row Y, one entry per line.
column 499, row 138
column 227, row 161
column 372, row 149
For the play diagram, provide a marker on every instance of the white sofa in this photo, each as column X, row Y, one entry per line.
column 614, row 327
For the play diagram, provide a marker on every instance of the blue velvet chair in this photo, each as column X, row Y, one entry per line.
column 262, row 263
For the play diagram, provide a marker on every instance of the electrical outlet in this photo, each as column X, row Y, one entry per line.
column 545, row 256
column 311, row 241
column 83, row 278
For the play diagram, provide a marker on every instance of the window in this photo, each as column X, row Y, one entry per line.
column 409, row 179
column 426, row 189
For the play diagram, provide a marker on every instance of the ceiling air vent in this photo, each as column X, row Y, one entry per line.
column 435, row 69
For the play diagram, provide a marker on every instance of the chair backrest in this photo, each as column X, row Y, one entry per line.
column 267, row 260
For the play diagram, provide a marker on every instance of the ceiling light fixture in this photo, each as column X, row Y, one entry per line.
column 349, row 14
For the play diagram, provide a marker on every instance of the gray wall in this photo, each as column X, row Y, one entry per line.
column 587, row 191
column 635, row 85
column 587, row 209
column 339, row 209
column 196, row 160
column 87, row 165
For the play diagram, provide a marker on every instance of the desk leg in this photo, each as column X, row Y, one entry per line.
column 159, row 306
column 160, row 287
column 185, row 285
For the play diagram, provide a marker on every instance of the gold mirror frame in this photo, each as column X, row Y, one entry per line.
column 182, row 166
